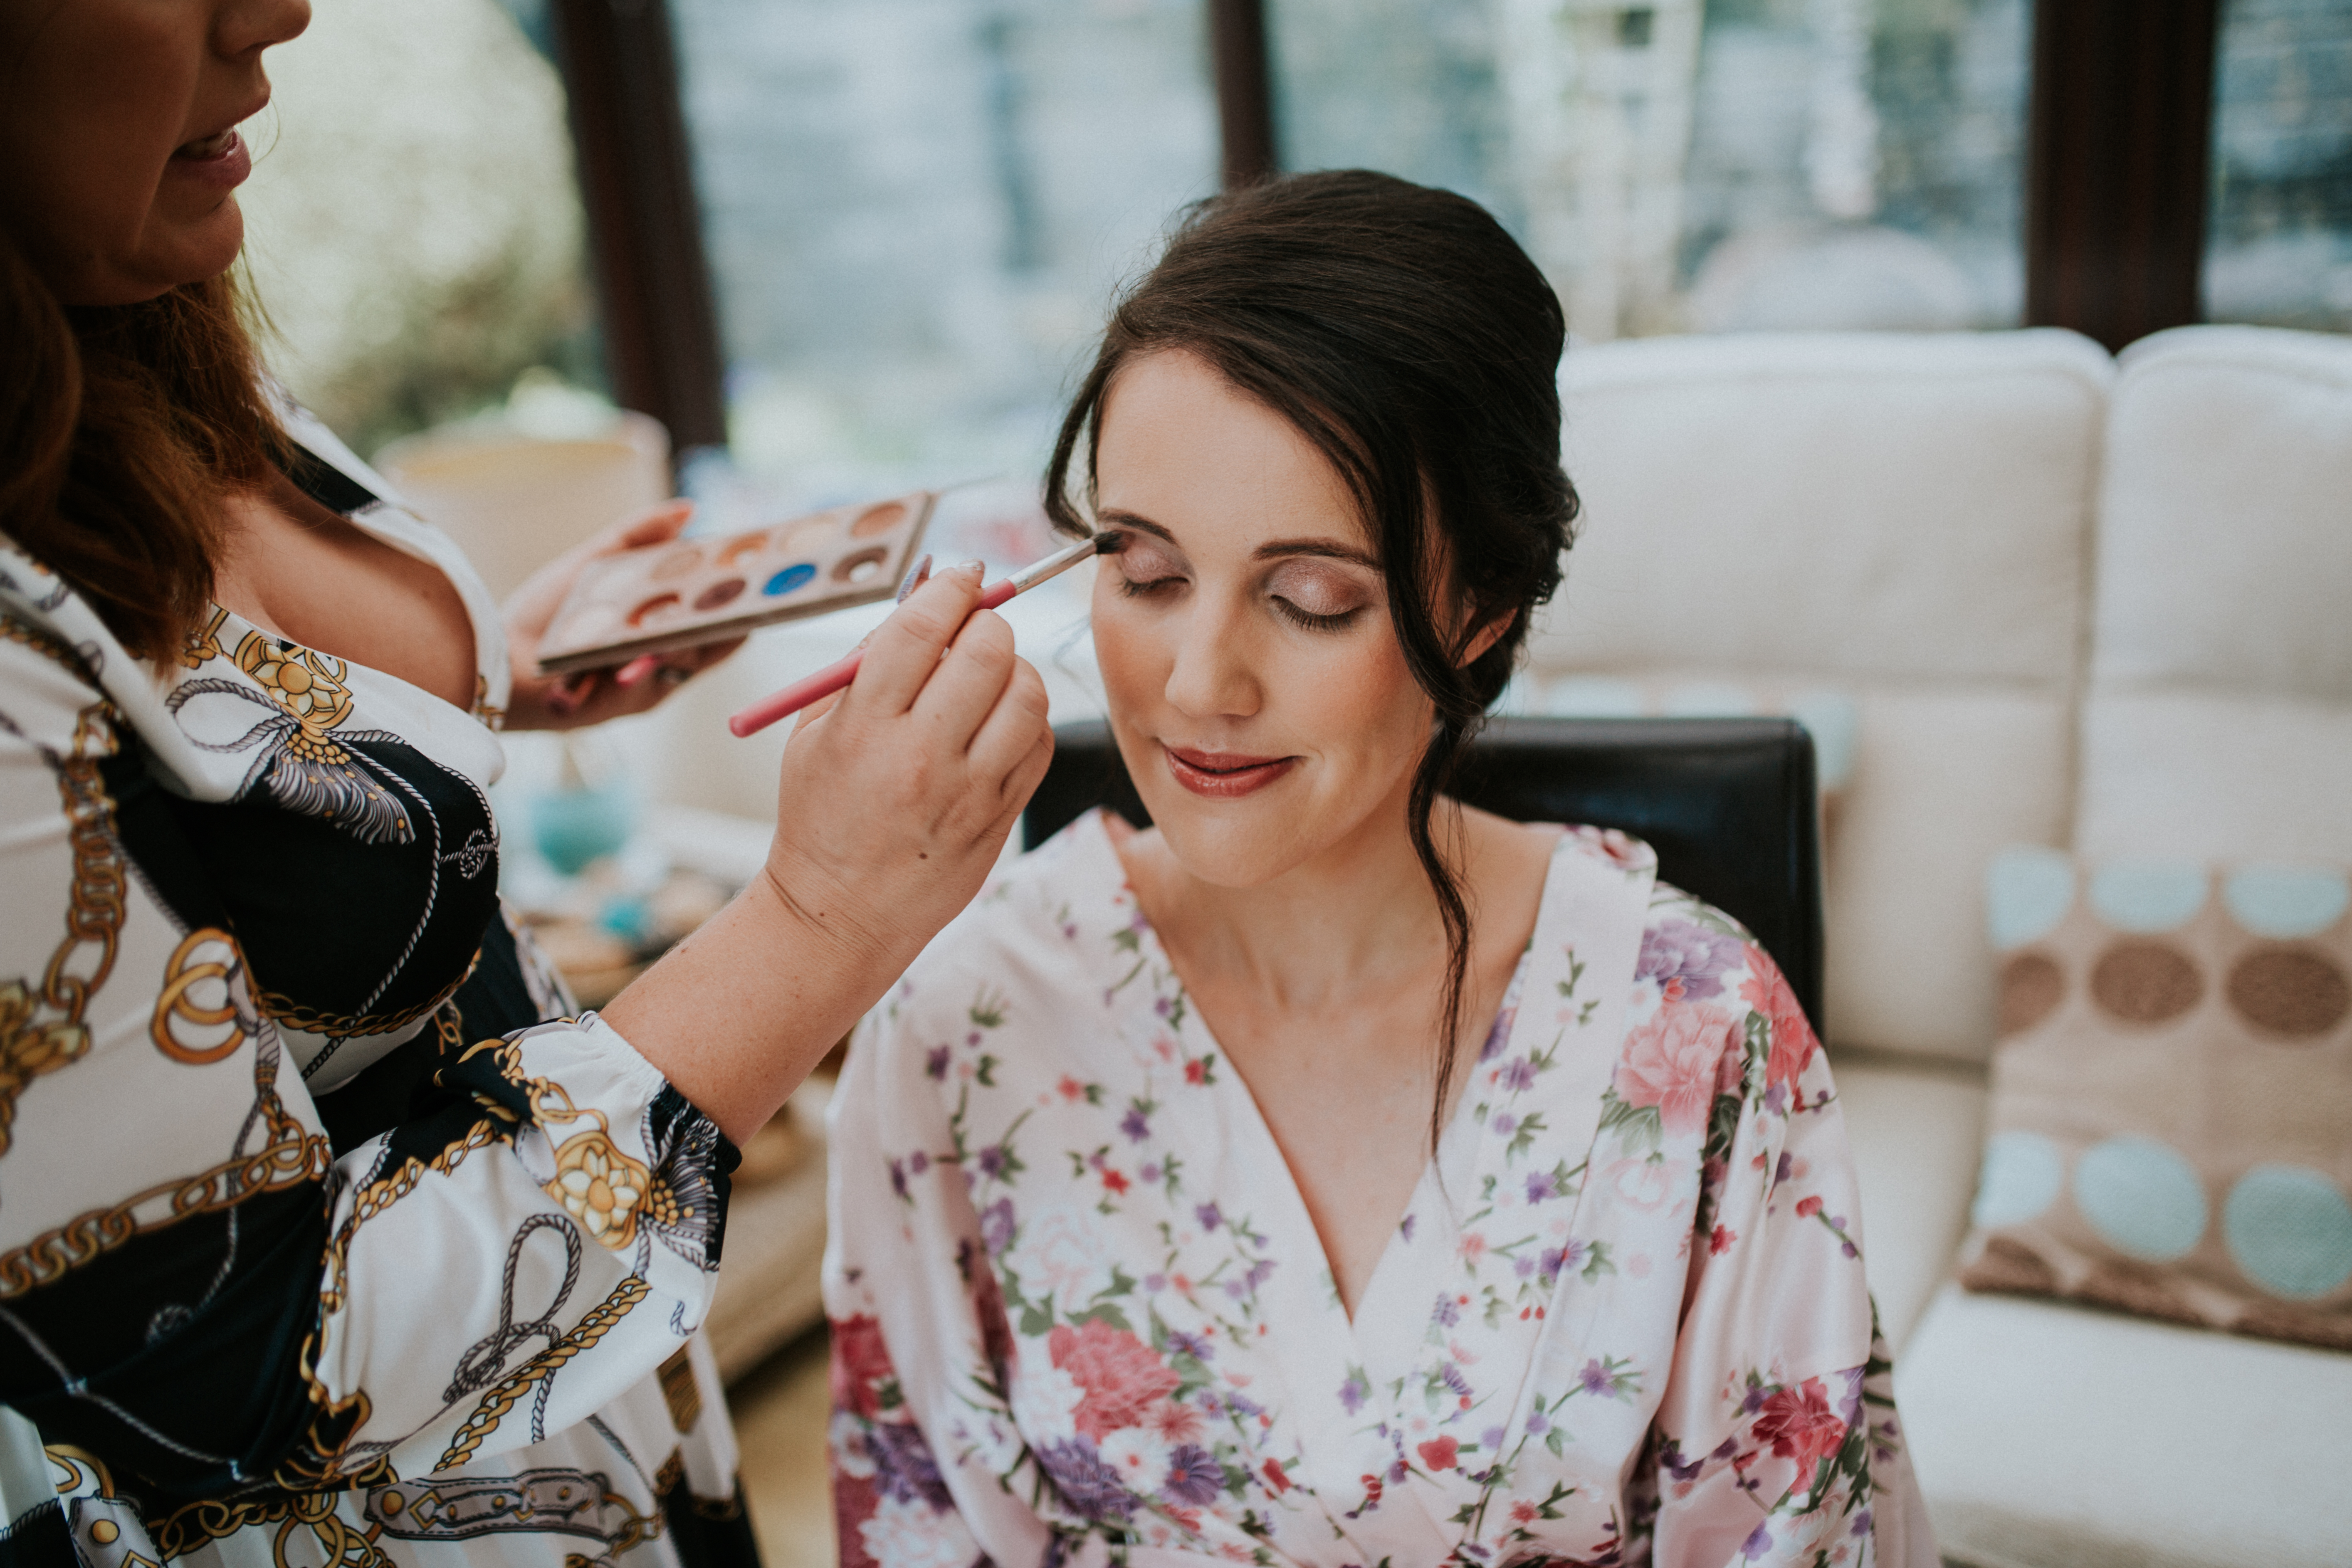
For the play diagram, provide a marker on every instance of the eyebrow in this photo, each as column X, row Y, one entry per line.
column 1272, row 549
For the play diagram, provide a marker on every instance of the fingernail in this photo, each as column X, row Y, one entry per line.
column 636, row 669
column 915, row 579
column 974, row 567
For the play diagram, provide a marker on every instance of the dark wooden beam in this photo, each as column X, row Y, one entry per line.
column 1238, row 50
column 645, row 227
column 2117, row 165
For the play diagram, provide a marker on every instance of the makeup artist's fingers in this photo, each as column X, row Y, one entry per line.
column 904, row 651
column 1029, row 772
column 970, row 680
column 531, row 606
column 1013, row 747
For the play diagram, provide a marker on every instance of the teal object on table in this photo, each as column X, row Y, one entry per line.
column 575, row 828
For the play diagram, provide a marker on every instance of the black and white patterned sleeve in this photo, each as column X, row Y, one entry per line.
column 195, row 1285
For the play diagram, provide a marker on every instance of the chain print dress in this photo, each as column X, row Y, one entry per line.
column 330, row 1237
column 1080, row 1314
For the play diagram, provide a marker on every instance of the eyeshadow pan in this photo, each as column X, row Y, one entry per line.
column 660, row 604
column 677, row 564
column 719, row 594
column 797, row 576
column 735, row 549
column 860, row 566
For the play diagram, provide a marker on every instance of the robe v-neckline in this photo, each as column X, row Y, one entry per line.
column 1395, row 1343
column 1461, row 1128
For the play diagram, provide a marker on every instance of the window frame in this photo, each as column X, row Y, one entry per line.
column 2118, row 144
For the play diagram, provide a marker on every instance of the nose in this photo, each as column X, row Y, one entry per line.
column 245, row 27
column 1213, row 676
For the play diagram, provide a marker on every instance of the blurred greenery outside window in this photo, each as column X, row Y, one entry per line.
column 1681, row 166
column 917, row 212
column 2278, row 248
column 412, row 225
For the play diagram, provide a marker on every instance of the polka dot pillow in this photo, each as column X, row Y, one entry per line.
column 2171, row 1127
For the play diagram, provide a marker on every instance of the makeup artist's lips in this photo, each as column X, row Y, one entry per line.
column 220, row 159
column 1223, row 775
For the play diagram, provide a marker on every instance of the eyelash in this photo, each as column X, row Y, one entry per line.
column 1311, row 621
column 1284, row 607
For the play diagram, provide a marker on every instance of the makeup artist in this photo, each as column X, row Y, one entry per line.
column 327, row 1233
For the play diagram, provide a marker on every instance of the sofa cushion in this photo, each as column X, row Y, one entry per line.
column 2219, row 720
column 2172, row 1092
column 1865, row 504
column 2047, row 1436
column 2225, row 541
column 1904, row 517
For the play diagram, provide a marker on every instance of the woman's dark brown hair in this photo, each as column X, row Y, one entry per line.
column 123, row 429
column 1408, row 337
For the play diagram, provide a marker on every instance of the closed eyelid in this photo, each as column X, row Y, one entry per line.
column 1296, row 579
column 1140, row 560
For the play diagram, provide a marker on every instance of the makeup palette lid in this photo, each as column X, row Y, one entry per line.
column 695, row 591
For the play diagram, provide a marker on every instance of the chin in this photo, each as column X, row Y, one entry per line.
column 1226, row 848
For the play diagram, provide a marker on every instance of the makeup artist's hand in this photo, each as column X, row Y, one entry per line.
column 592, row 696
column 896, row 796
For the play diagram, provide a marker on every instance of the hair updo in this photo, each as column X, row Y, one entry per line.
column 1411, row 340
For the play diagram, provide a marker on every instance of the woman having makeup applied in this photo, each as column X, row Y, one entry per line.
column 1334, row 1173
column 330, row 1231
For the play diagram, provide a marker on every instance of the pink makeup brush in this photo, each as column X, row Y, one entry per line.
column 839, row 673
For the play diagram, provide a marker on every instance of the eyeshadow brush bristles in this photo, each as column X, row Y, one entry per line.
column 839, row 673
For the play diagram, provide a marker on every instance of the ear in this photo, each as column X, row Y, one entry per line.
column 1485, row 638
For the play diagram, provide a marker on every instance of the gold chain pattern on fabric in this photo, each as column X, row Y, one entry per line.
column 294, row 1014
column 43, row 1031
column 679, row 1390
column 593, row 1326
column 81, row 1469
column 183, row 1022
column 339, row 1545
column 383, row 1192
column 492, row 718
column 205, row 645
column 291, row 1157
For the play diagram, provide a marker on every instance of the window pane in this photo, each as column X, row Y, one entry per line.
column 2278, row 242
column 410, row 278
column 1677, row 166
column 916, row 210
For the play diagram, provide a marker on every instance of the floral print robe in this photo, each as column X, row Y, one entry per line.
column 1081, row 1313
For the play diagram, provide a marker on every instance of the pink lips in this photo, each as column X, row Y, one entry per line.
column 1223, row 775
column 221, row 160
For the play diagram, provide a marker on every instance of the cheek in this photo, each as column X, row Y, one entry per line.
column 106, row 93
column 1130, row 646
column 1366, row 702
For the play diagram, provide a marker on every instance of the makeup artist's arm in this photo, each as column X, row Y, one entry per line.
column 897, row 800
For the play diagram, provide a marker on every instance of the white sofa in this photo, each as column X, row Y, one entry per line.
column 2077, row 602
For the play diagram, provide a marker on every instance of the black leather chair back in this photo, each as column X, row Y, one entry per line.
column 1727, row 804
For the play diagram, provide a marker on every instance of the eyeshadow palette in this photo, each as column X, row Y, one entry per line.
column 693, row 591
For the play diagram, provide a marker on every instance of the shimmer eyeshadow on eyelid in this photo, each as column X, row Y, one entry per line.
column 1318, row 593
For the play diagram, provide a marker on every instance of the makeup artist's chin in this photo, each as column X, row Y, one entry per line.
column 1223, row 775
